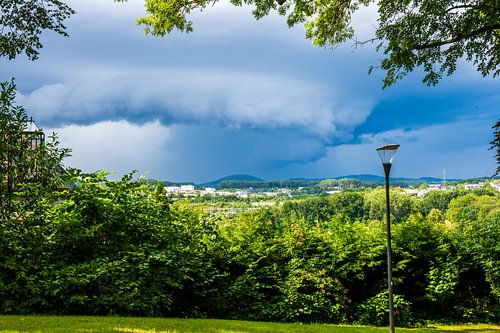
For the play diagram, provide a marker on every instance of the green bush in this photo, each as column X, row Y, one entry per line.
column 375, row 311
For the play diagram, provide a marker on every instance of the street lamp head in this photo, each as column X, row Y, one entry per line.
column 387, row 153
column 33, row 134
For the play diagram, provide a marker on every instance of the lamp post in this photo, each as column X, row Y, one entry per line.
column 386, row 154
column 33, row 138
column 34, row 134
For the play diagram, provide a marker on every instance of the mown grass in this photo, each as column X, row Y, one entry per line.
column 68, row 324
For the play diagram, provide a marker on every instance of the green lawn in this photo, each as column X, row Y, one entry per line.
column 68, row 324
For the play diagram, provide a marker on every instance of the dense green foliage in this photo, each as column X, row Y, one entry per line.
column 22, row 22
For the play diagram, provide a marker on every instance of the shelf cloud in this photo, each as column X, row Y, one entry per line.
column 230, row 99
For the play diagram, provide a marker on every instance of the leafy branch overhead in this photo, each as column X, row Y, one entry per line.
column 432, row 34
column 23, row 21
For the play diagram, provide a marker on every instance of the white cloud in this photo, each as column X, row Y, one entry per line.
column 105, row 13
column 365, row 22
column 114, row 146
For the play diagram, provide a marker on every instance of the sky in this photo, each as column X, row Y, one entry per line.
column 240, row 96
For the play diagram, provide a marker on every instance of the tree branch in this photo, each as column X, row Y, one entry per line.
column 362, row 43
column 457, row 38
column 458, row 7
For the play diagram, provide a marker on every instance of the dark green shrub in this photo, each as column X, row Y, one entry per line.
column 375, row 311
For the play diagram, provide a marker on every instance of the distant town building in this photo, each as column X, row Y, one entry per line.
column 172, row 189
column 333, row 191
column 473, row 186
column 208, row 191
column 187, row 188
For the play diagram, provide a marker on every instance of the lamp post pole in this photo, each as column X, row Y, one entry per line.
column 386, row 154
column 387, row 170
column 32, row 138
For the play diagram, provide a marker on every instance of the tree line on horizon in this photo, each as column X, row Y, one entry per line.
column 316, row 186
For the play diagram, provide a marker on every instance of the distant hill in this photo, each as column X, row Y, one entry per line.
column 380, row 179
column 244, row 181
column 436, row 180
column 248, row 178
column 364, row 178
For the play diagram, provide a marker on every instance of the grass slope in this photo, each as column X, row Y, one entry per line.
column 60, row 324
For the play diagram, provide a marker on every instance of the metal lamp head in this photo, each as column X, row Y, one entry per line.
column 387, row 153
column 32, row 127
column 34, row 134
